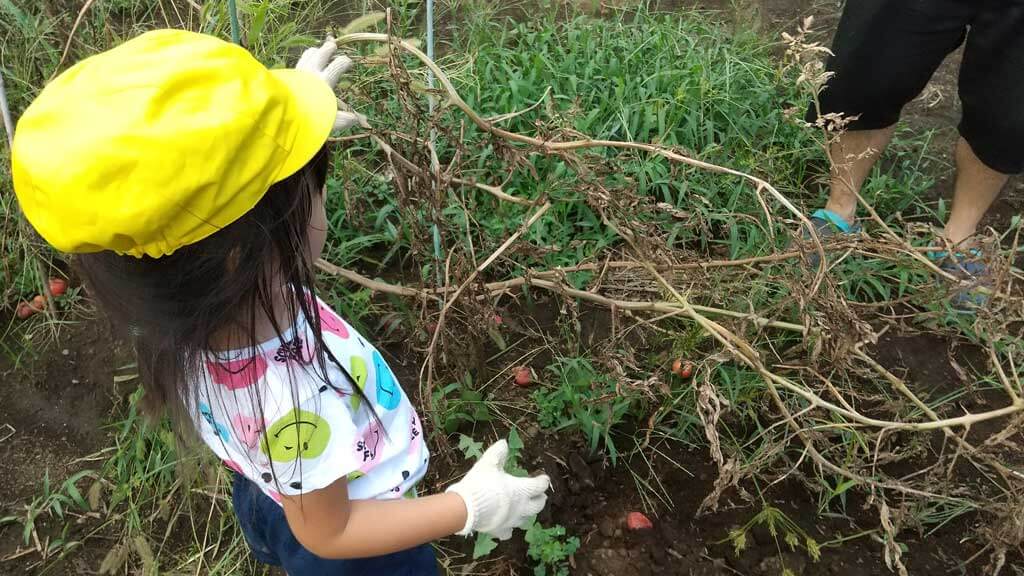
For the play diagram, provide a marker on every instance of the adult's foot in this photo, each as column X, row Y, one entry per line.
column 969, row 267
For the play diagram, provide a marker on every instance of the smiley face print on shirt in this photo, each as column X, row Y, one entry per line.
column 297, row 434
column 368, row 447
column 357, row 368
column 247, row 429
column 237, row 374
column 389, row 395
column 312, row 429
column 219, row 429
column 329, row 321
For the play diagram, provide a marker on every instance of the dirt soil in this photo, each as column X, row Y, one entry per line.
column 55, row 399
column 57, row 396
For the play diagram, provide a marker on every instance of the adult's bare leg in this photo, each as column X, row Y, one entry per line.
column 977, row 187
column 854, row 153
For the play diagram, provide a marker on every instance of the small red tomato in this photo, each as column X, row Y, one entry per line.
column 24, row 310
column 58, row 286
column 39, row 303
column 523, row 376
column 638, row 521
column 677, row 365
column 686, row 371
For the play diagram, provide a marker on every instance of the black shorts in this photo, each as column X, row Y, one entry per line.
column 887, row 50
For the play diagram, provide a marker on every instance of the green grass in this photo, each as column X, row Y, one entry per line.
column 660, row 80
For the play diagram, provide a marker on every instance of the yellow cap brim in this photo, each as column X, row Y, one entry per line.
column 316, row 108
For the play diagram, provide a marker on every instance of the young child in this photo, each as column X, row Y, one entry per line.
column 189, row 181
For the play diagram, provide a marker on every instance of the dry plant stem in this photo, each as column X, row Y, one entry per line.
column 835, row 392
column 740, row 348
column 375, row 285
column 510, row 115
column 428, row 366
column 409, row 166
column 349, row 137
column 727, row 339
column 750, row 356
column 206, row 533
column 493, row 288
column 1002, row 374
column 554, row 147
column 44, row 279
column 915, row 254
column 664, row 307
column 902, row 388
column 71, row 36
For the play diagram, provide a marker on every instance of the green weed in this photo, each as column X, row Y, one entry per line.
column 584, row 400
column 550, row 549
column 459, row 404
column 54, row 503
column 778, row 525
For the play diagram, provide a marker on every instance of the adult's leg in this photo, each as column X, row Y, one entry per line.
column 885, row 51
column 992, row 127
column 853, row 154
column 977, row 187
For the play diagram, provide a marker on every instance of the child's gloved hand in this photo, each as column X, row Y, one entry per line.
column 496, row 501
column 322, row 62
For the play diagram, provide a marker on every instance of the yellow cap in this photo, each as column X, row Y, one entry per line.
column 162, row 141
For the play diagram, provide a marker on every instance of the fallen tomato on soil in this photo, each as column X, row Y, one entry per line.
column 681, row 368
column 523, row 376
column 638, row 521
column 58, row 286
column 39, row 303
column 24, row 311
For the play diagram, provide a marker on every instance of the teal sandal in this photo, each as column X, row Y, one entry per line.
column 826, row 225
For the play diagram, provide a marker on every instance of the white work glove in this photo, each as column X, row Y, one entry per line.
column 497, row 501
column 322, row 62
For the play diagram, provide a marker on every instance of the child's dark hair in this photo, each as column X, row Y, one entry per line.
column 172, row 307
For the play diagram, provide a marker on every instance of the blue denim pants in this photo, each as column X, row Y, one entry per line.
column 272, row 542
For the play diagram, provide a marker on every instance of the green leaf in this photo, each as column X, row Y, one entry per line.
column 843, row 487
column 470, row 448
column 515, row 443
column 498, row 339
column 515, row 446
column 484, row 545
column 76, row 497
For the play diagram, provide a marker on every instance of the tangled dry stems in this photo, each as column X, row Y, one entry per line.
column 834, row 333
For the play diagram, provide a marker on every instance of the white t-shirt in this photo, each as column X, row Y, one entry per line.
column 311, row 433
